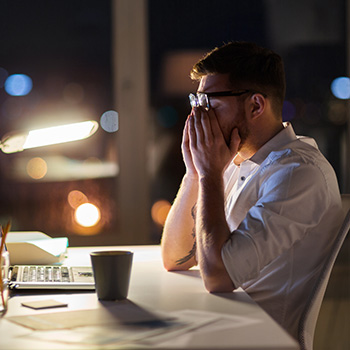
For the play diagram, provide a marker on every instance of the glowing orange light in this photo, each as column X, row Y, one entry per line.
column 87, row 215
column 36, row 168
column 159, row 211
column 76, row 198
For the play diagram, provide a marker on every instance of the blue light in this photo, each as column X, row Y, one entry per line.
column 341, row 88
column 18, row 85
column 109, row 121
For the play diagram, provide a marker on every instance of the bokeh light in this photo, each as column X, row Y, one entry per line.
column 160, row 211
column 36, row 168
column 109, row 121
column 341, row 88
column 60, row 134
column 87, row 215
column 18, row 85
column 76, row 198
column 337, row 112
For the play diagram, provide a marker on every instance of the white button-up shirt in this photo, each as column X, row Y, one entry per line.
column 284, row 209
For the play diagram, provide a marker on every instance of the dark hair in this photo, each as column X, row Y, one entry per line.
column 249, row 67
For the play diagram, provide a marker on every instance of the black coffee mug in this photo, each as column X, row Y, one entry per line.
column 112, row 270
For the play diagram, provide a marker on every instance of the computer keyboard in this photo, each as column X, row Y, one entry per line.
column 45, row 274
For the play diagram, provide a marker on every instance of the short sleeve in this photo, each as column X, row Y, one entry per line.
column 291, row 198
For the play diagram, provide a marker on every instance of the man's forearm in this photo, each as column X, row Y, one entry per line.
column 212, row 232
column 178, row 240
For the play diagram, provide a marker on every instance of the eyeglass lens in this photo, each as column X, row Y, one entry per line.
column 198, row 100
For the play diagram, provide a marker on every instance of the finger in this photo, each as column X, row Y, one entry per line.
column 186, row 128
column 186, row 148
column 192, row 135
column 206, row 126
column 198, row 127
column 185, row 138
column 215, row 126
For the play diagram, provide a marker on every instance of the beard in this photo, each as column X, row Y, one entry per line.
column 243, row 130
column 244, row 134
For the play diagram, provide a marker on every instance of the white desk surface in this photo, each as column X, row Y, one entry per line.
column 154, row 289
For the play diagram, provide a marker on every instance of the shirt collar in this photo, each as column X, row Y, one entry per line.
column 284, row 137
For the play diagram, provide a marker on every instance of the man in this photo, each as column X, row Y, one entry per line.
column 258, row 207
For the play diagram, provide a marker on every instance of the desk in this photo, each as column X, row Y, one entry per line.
column 154, row 289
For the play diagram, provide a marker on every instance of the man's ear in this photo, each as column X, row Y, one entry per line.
column 257, row 105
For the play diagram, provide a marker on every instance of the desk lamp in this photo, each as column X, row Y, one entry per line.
column 17, row 142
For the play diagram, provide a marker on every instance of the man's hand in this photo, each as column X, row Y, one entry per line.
column 191, row 171
column 210, row 154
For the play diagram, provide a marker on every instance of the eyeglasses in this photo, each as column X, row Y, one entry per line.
column 201, row 99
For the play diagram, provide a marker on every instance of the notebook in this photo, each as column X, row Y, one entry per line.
column 51, row 277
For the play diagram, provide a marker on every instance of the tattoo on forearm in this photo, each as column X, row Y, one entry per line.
column 192, row 252
column 190, row 255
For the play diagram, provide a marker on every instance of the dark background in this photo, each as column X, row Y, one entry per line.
column 65, row 42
